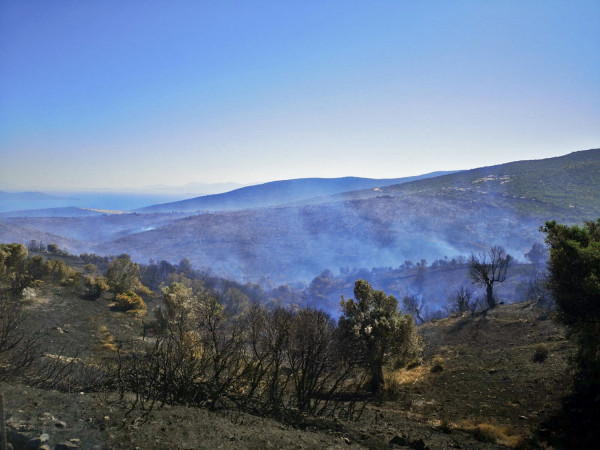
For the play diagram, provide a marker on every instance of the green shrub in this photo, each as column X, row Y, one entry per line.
column 130, row 302
column 95, row 286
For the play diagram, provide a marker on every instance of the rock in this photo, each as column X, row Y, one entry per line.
column 44, row 437
column 18, row 440
column 34, row 443
column 65, row 445
column 419, row 444
column 346, row 440
column 75, row 440
column 44, row 447
column 60, row 424
column 399, row 440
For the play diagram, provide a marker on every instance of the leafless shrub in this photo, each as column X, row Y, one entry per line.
column 22, row 355
column 461, row 301
column 273, row 362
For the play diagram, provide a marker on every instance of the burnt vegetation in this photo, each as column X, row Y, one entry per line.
column 190, row 338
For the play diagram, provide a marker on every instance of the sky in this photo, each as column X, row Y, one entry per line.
column 99, row 95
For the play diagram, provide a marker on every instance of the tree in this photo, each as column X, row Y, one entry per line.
column 575, row 282
column 460, row 302
column 537, row 255
column 414, row 306
column 123, row 275
column 95, row 286
column 489, row 268
column 14, row 276
column 375, row 331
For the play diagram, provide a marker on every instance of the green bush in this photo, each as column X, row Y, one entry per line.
column 130, row 302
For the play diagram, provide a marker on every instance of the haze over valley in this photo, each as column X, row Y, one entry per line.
column 289, row 232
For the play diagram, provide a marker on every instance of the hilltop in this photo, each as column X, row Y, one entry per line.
column 563, row 187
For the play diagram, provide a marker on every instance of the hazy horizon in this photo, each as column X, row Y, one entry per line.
column 112, row 96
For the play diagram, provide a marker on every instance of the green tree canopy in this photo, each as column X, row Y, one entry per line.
column 575, row 282
column 123, row 275
column 14, row 276
column 376, row 331
column 575, row 269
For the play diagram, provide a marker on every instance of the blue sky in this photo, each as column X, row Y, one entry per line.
column 122, row 95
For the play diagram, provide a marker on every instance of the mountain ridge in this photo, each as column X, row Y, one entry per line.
column 278, row 192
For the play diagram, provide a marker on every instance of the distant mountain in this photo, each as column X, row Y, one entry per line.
column 68, row 211
column 109, row 201
column 198, row 189
column 11, row 201
column 278, row 193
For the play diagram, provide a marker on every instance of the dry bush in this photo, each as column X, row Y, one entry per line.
column 438, row 364
column 540, row 353
column 280, row 363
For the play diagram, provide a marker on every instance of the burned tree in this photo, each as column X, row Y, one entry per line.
column 488, row 268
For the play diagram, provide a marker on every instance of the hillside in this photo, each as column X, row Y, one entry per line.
column 296, row 243
column 477, row 387
column 564, row 188
column 88, row 230
column 16, row 233
column 278, row 193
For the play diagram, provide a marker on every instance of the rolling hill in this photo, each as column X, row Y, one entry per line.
column 278, row 193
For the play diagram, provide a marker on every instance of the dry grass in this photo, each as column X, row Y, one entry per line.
column 485, row 432
column 395, row 381
column 107, row 340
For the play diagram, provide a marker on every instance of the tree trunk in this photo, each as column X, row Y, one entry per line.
column 376, row 383
column 491, row 301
